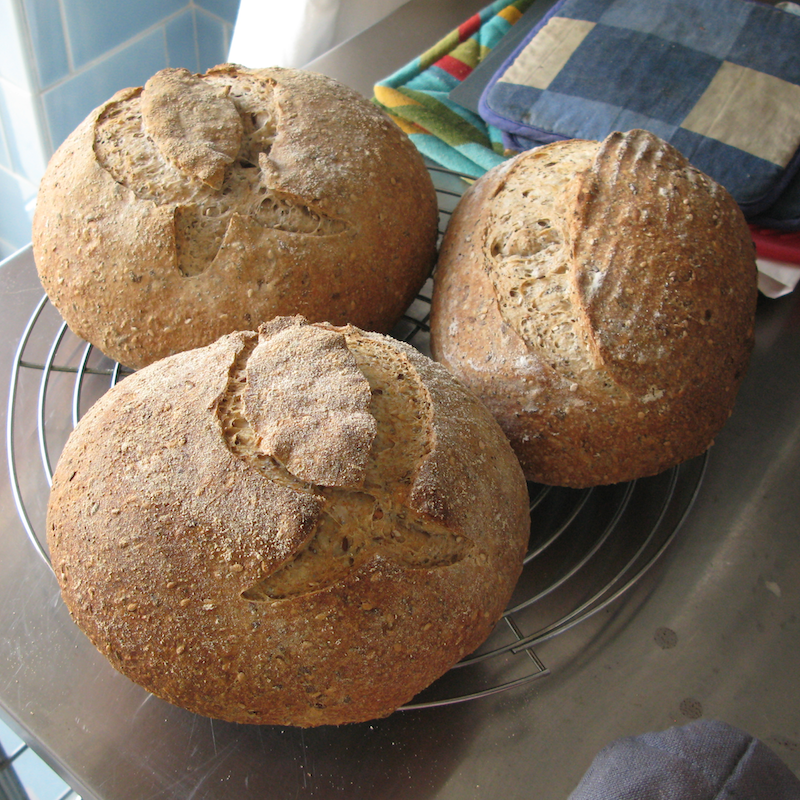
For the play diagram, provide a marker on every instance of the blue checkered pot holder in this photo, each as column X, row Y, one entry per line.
column 718, row 79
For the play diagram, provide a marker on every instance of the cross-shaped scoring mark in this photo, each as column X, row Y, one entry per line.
column 217, row 133
column 343, row 417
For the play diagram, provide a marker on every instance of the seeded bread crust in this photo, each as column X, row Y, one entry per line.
column 211, row 573
column 200, row 205
column 600, row 299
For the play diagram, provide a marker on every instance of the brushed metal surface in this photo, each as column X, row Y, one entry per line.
column 712, row 630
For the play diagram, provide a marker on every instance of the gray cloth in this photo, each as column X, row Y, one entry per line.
column 704, row 760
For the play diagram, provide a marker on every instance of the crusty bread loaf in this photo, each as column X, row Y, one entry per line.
column 303, row 526
column 201, row 205
column 600, row 299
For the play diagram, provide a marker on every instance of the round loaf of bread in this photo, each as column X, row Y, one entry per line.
column 201, row 205
column 600, row 299
column 301, row 526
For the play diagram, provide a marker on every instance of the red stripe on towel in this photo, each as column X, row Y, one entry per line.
column 466, row 29
column 458, row 69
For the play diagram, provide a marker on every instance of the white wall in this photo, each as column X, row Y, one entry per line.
column 272, row 33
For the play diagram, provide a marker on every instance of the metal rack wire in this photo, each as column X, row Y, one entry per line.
column 588, row 547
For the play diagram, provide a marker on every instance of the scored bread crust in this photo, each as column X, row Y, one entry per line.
column 209, row 573
column 200, row 205
column 599, row 297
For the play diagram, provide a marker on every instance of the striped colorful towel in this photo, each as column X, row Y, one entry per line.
column 416, row 96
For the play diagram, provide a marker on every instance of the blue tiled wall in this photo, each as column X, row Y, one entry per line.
column 61, row 58
column 37, row 780
column 104, row 25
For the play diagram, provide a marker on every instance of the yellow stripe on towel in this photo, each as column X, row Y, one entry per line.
column 391, row 98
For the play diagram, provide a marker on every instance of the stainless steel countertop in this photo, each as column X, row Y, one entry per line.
column 713, row 629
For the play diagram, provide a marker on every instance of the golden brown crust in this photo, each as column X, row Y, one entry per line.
column 212, row 575
column 609, row 333
column 154, row 244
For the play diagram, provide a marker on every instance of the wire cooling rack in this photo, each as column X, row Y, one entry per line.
column 588, row 547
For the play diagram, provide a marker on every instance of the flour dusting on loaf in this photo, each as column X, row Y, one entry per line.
column 600, row 298
column 238, row 564
column 198, row 205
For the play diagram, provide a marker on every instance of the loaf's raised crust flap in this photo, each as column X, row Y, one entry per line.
column 656, row 282
column 308, row 403
column 192, row 123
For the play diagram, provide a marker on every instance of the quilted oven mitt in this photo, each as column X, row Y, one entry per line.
column 703, row 760
column 718, row 79
column 416, row 96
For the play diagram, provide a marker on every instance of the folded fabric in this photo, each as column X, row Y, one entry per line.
column 776, row 244
column 718, row 79
column 416, row 96
column 703, row 760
